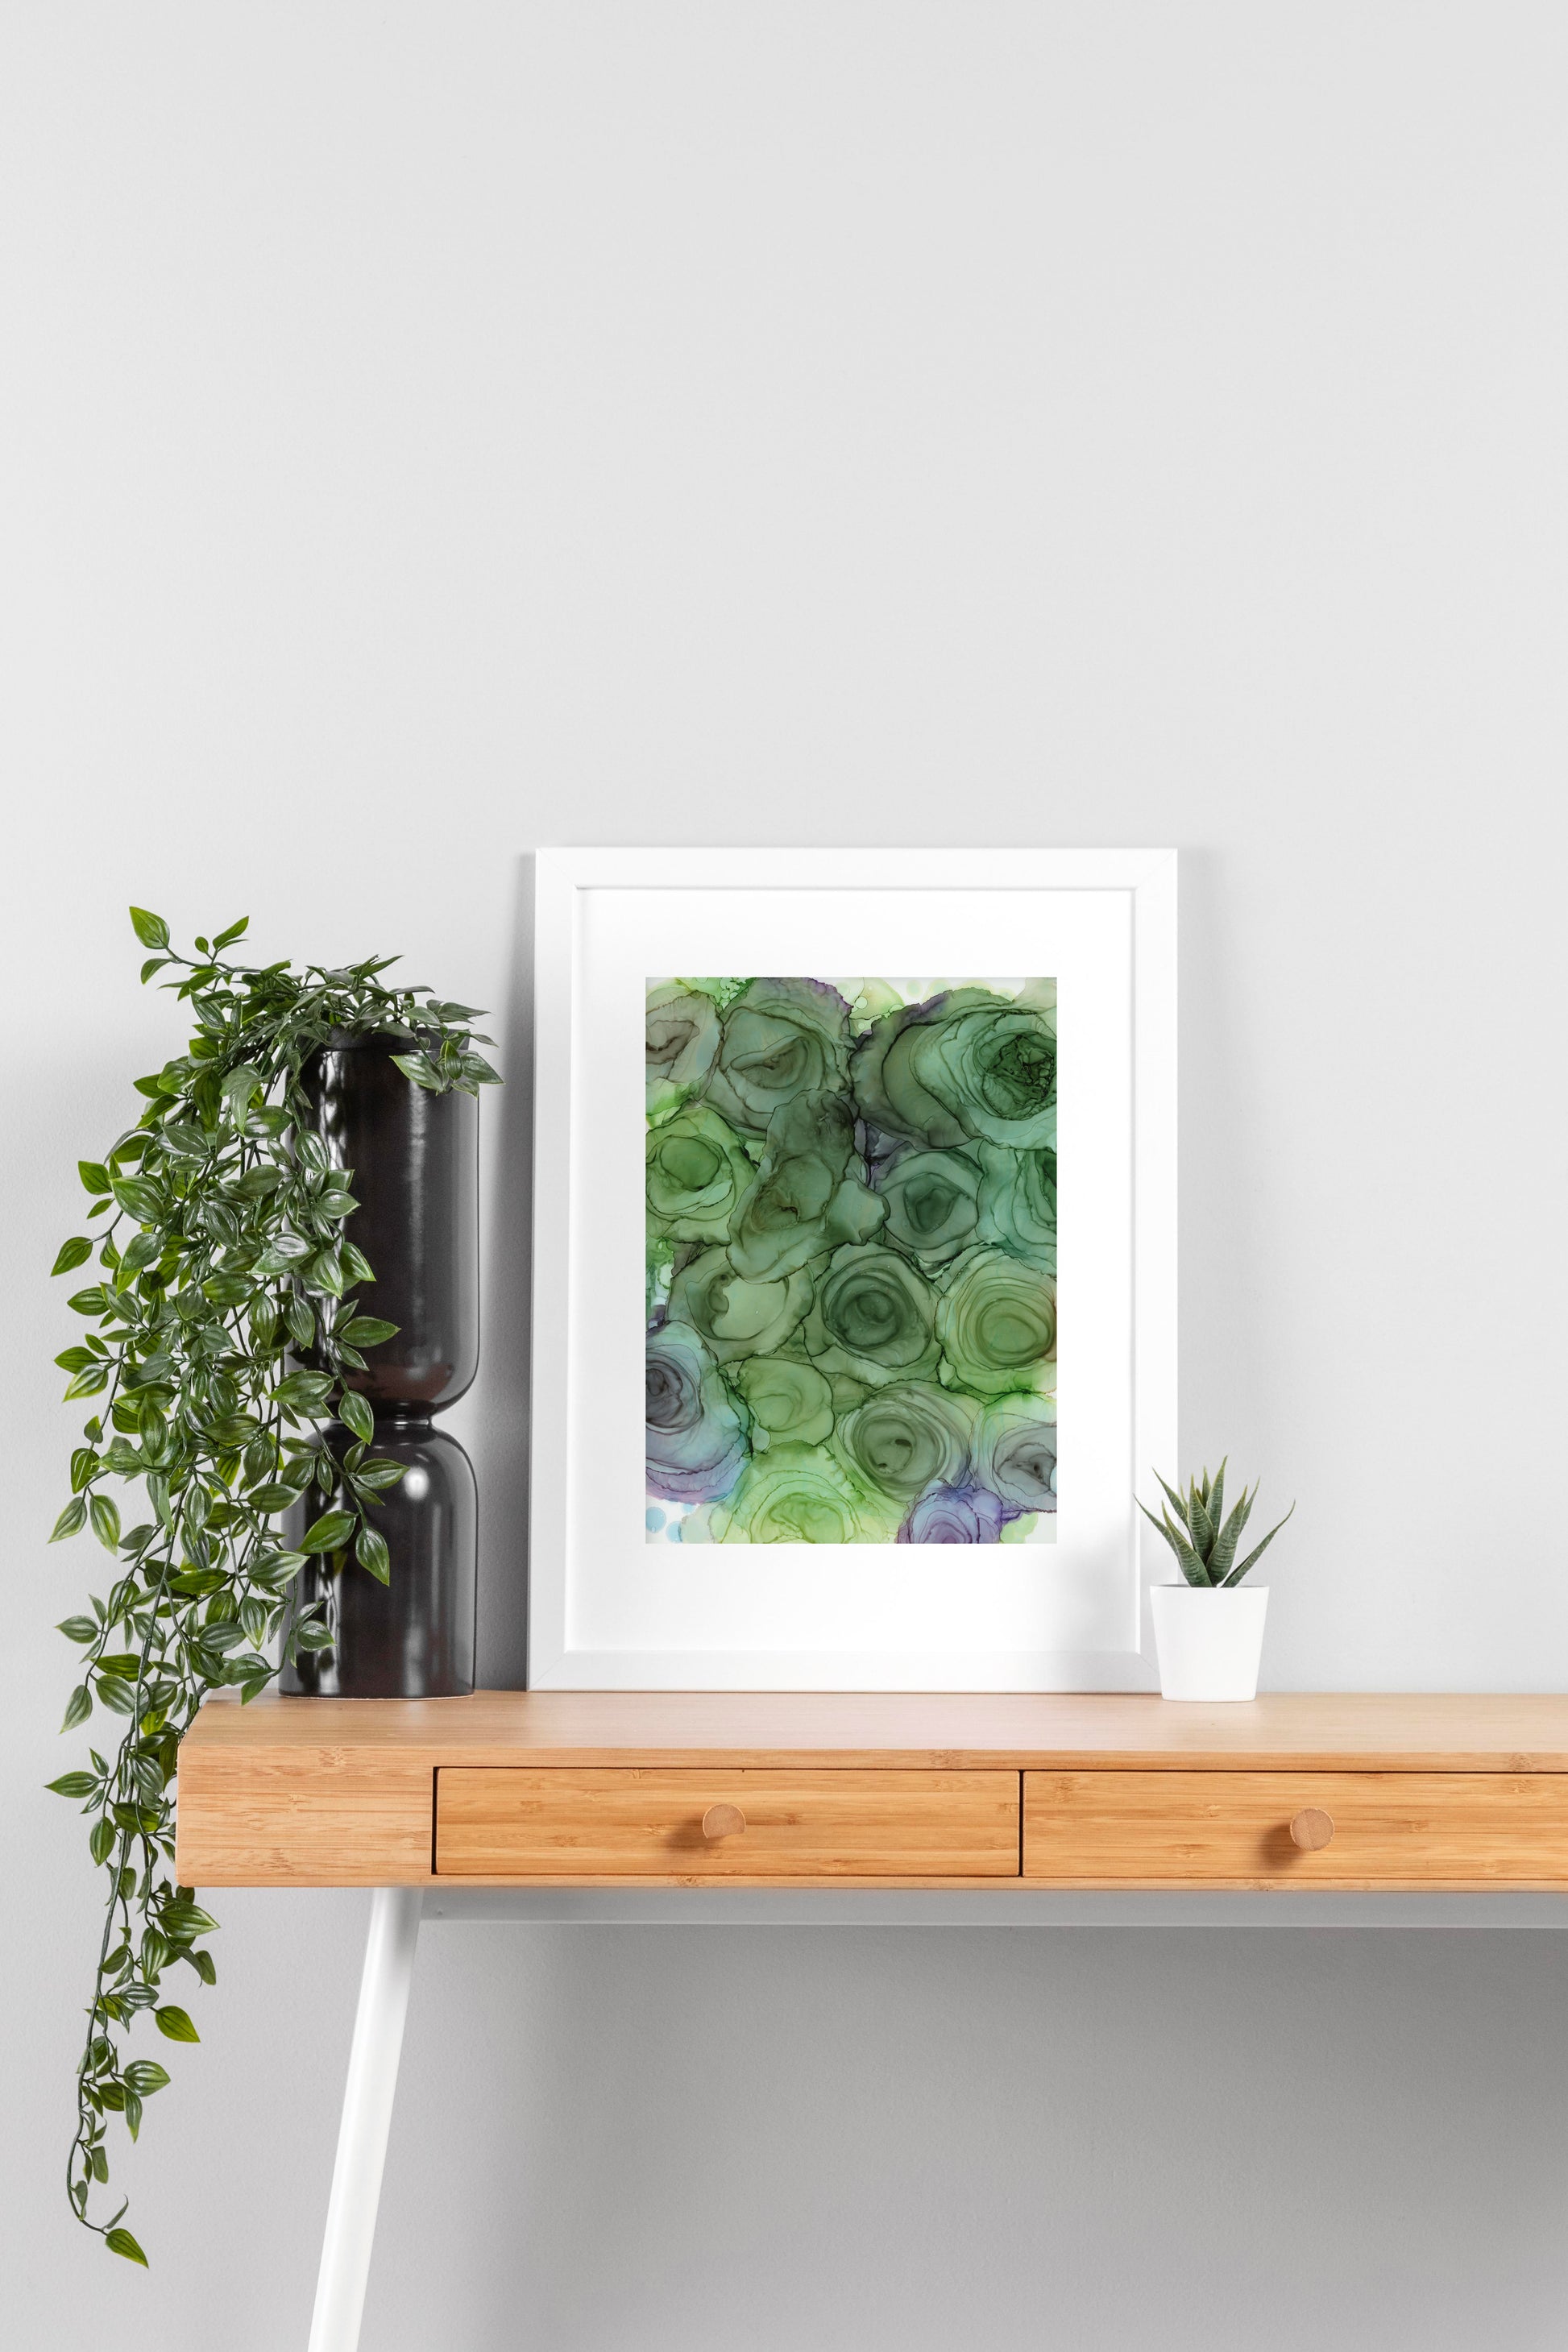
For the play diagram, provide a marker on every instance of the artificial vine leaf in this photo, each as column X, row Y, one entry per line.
column 371, row 1553
column 357, row 1415
column 222, row 1245
column 329, row 1533
column 368, row 1331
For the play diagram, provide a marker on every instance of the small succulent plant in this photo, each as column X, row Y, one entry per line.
column 1202, row 1537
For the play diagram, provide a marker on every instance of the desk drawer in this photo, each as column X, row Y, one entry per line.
column 1351, row 1828
column 567, row 1824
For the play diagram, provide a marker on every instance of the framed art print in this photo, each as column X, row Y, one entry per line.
column 854, row 1266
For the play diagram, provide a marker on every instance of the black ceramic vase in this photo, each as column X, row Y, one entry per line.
column 413, row 1159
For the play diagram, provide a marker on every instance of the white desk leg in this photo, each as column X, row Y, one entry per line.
column 366, row 2118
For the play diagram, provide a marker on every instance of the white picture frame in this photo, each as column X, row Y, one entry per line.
column 606, row 1611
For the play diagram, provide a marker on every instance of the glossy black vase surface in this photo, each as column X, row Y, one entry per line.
column 412, row 1637
column 412, row 1159
column 414, row 1162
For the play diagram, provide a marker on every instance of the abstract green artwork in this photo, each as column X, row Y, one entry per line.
column 851, row 1190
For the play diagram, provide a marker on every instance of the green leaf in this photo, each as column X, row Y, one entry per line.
column 87, row 1384
column 355, row 1415
column 182, row 1921
column 100, row 1842
column 313, row 1637
column 88, row 1302
column 368, row 1331
column 242, row 1083
column 257, row 1182
column 73, row 1784
column 150, row 929
column 273, row 1496
column 94, row 1175
column 78, row 1629
column 381, row 1472
column 144, row 2076
column 304, row 1391
column 329, row 1533
column 226, row 1289
column 300, row 1316
column 121, row 2241
column 325, row 1272
column 71, row 1520
column 174, row 2024
column 420, row 1069
column 132, row 2113
column 105, row 1522
column 1229, row 1535
column 78, row 1706
column 138, row 1198
column 227, row 939
column 370, row 1552
column 1254, row 1557
column 1200, row 1525
column 1177, row 1501
column 1191, row 1565
column 76, row 1252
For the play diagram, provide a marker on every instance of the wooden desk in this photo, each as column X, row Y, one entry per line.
column 576, row 1787
column 1020, row 1804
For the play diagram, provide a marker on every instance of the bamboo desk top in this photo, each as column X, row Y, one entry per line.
column 876, row 1789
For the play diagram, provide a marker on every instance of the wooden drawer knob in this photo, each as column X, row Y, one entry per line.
column 722, row 1822
column 1312, row 1828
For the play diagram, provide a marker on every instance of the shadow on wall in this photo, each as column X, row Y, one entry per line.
column 507, row 1324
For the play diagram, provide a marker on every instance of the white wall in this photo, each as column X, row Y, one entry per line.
column 431, row 431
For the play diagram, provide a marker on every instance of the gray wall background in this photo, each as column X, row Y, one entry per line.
column 429, row 432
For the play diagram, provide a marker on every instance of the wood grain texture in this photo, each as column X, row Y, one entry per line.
column 1232, row 1828
column 565, row 1822
column 302, row 1817
column 937, row 1730
column 337, row 1792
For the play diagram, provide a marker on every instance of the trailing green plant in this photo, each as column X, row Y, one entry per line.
column 224, row 1327
column 1203, row 1541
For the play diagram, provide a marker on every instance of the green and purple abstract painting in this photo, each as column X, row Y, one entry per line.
column 851, row 1302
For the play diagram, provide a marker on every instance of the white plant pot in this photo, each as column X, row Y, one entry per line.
column 1209, row 1643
